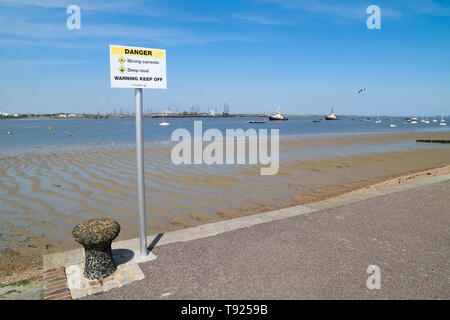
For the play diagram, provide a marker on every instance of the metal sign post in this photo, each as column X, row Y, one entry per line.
column 136, row 67
column 140, row 174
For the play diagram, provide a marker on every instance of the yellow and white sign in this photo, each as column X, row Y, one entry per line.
column 134, row 67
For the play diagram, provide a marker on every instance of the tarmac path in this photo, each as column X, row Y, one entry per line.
column 318, row 255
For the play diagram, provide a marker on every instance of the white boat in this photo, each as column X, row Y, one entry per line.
column 331, row 116
column 442, row 121
column 277, row 116
column 392, row 125
column 378, row 120
column 163, row 124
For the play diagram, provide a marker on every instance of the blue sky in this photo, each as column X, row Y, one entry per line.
column 304, row 55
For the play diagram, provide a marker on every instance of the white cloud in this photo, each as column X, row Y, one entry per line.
column 260, row 19
column 52, row 34
column 153, row 8
column 97, row 5
column 349, row 10
column 33, row 26
column 429, row 7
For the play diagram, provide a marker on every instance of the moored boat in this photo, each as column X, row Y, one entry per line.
column 331, row 116
column 277, row 116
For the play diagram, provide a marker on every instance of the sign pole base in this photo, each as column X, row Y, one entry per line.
column 139, row 258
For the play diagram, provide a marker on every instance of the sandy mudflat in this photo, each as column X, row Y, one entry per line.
column 43, row 195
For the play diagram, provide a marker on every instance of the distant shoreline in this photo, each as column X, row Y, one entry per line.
column 161, row 115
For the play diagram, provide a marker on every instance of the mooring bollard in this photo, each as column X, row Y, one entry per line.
column 96, row 236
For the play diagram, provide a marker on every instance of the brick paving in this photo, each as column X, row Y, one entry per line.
column 55, row 285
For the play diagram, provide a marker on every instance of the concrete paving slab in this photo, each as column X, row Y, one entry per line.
column 284, row 213
column 59, row 259
column 183, row 235
column 344, row 199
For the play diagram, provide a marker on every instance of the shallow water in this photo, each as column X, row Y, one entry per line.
column 33, row 135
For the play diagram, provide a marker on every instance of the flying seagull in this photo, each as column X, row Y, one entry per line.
column 361, row 90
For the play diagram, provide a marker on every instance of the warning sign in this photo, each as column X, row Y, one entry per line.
column 133, row 67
